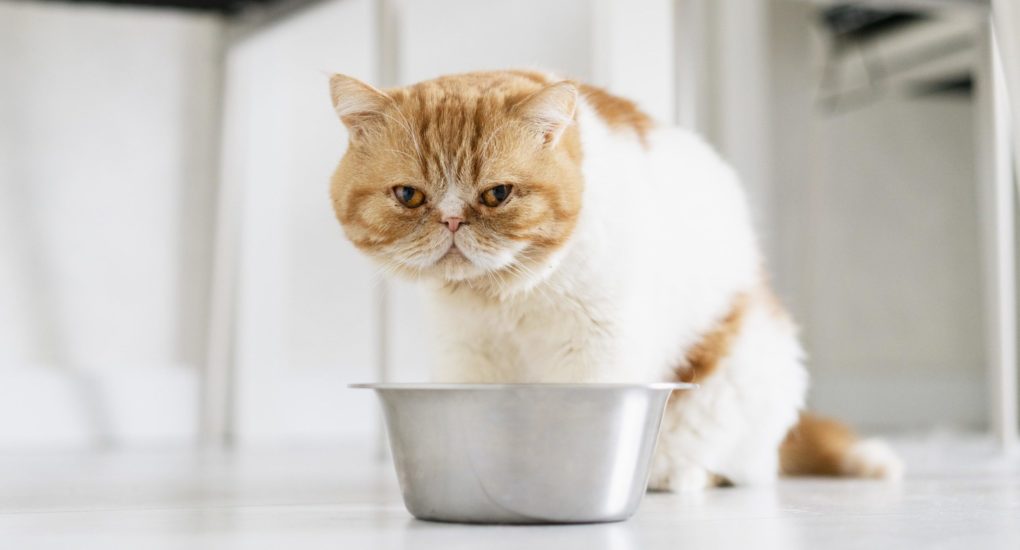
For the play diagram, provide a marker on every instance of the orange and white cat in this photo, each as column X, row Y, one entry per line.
column 565, row 237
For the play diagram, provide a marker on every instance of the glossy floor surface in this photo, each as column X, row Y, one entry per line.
column 958, row 494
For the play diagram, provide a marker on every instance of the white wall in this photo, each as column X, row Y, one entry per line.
column 448, row 36
column 305, row 317
column 108, row 122
column 876, row 242
column 893, row 282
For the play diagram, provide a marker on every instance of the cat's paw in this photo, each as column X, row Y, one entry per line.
column 682, row 480
column 872, row 458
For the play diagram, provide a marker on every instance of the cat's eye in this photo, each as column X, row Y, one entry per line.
column 495, row 196
column 408, row 196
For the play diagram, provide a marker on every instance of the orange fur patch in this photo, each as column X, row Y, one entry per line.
column 705, row 357
column 619, row 113
column 816, row 446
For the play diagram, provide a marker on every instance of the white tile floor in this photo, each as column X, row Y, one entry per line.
column 958, row 495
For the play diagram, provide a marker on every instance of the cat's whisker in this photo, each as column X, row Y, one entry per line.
column 544, row 291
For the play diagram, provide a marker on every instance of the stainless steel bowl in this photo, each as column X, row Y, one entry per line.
column 523, row 453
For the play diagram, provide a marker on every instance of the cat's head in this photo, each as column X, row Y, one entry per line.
column 467, row 178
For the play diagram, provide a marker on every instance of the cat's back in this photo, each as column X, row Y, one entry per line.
column 667, row 219
column 659, row 183
column 684, row 168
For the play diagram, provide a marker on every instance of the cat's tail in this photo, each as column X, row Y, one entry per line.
column 822, row 447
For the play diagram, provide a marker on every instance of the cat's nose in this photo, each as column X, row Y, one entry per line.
column 453, row 223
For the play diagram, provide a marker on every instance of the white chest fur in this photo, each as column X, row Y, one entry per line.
column 663, row 245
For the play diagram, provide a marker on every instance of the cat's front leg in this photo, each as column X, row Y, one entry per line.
column 679, row 478
column 486, row 362
column 471, row 358
column 591, row 363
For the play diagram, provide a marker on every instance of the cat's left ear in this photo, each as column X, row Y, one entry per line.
column 358, row 105
column 550, row 110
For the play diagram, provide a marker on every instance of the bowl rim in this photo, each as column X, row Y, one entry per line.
column 445, row 386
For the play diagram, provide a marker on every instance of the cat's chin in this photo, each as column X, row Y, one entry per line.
column 454, row 267
column 488, row 272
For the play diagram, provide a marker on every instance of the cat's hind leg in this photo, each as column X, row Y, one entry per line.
column 749, row 397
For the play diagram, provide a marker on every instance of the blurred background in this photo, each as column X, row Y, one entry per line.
column 171, row 271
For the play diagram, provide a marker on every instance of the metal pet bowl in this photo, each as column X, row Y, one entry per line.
column 523, row 453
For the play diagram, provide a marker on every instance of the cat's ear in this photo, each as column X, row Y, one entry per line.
column 358, row 105
column 550, row 110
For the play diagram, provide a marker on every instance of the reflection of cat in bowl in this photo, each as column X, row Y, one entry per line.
column 567, row 238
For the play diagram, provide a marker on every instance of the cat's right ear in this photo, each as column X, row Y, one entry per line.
column 358, row 105
column 550, row 110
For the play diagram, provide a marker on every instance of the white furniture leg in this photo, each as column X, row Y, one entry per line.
column 1006, row 30
column 218, row 384
column 998, row 214
column 1006, row 22
column 387, row 75
column 625, row 31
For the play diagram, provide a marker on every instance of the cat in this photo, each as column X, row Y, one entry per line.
column 566, row 237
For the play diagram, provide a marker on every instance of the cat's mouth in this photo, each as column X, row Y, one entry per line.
column 455, row 265
column 453, row 253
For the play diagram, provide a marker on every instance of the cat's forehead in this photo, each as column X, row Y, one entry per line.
column 464, row 102
column 459, row 126
column 489, row 87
